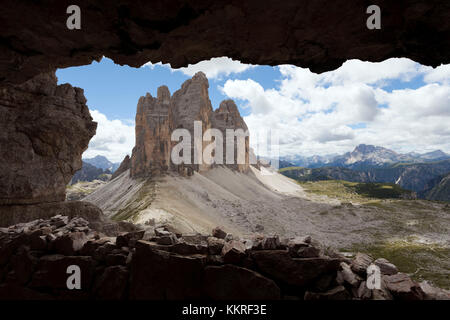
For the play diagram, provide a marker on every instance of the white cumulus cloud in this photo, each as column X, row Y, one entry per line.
column 334, row 111
column 114, row 138
column 213, row 68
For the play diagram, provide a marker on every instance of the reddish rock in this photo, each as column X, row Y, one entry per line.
column 219, row 233
column 233, row 252
column 402, row 287
column 270, row 243
column 230, row 282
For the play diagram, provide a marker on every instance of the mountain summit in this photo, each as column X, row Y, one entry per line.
column 158, row 118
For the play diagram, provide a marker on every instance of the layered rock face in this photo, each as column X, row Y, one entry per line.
column 45, row 129
column 227, row 116
column 157, row 118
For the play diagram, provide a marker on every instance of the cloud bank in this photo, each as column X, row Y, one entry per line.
column 397, row 103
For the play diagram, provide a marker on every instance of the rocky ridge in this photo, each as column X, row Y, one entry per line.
column 155, row 263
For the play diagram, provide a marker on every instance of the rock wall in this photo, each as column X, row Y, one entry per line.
column 157, row 118
column 225, row 117
column 154, row 122
column 45, row 129
column 318, row 34
column 159, row 265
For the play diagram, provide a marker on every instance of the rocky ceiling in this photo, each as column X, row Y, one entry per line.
column 319, row 34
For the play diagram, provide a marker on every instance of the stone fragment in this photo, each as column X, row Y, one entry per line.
column 280, row 266
column 433, row 293
column 233, row 252
column 386, row 267
column 363, row 292
column 271, row 243
column 112, row 284
column 402, row 287
column 348, row 275
column 215, row 245
column 360, row 263
column 129, row 239
column 308, row 252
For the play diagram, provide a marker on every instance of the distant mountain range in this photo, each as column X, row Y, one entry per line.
column 364, row 157
column 427, row 174
column 103, row 163
column 97, row 168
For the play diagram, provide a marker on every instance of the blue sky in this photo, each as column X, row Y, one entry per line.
column 396, row 103
column 114, row 90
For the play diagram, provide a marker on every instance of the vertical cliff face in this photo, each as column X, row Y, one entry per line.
column 45, row 129
column 191, row 103
column 157, row 118
column 227, row 116
column 154, row 124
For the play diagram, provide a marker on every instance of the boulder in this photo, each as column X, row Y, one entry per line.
column 300, row 272
column 111, row 285
column 157, row 274
column 386, row 267
column 308, row 252
column 337, row 293
column 230, row 282
column 270, row 243
column 363, row 292
column 233, row 252
column 215, row 245
column 129, row 239
column 360, row 263
column 70, row 243
column 295, row 244
column 348, row 275
column 219, row 233
column 51, row 272
column 402, row 287
column 433, row 293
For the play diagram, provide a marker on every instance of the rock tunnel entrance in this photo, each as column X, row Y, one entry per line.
column 46, row 126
